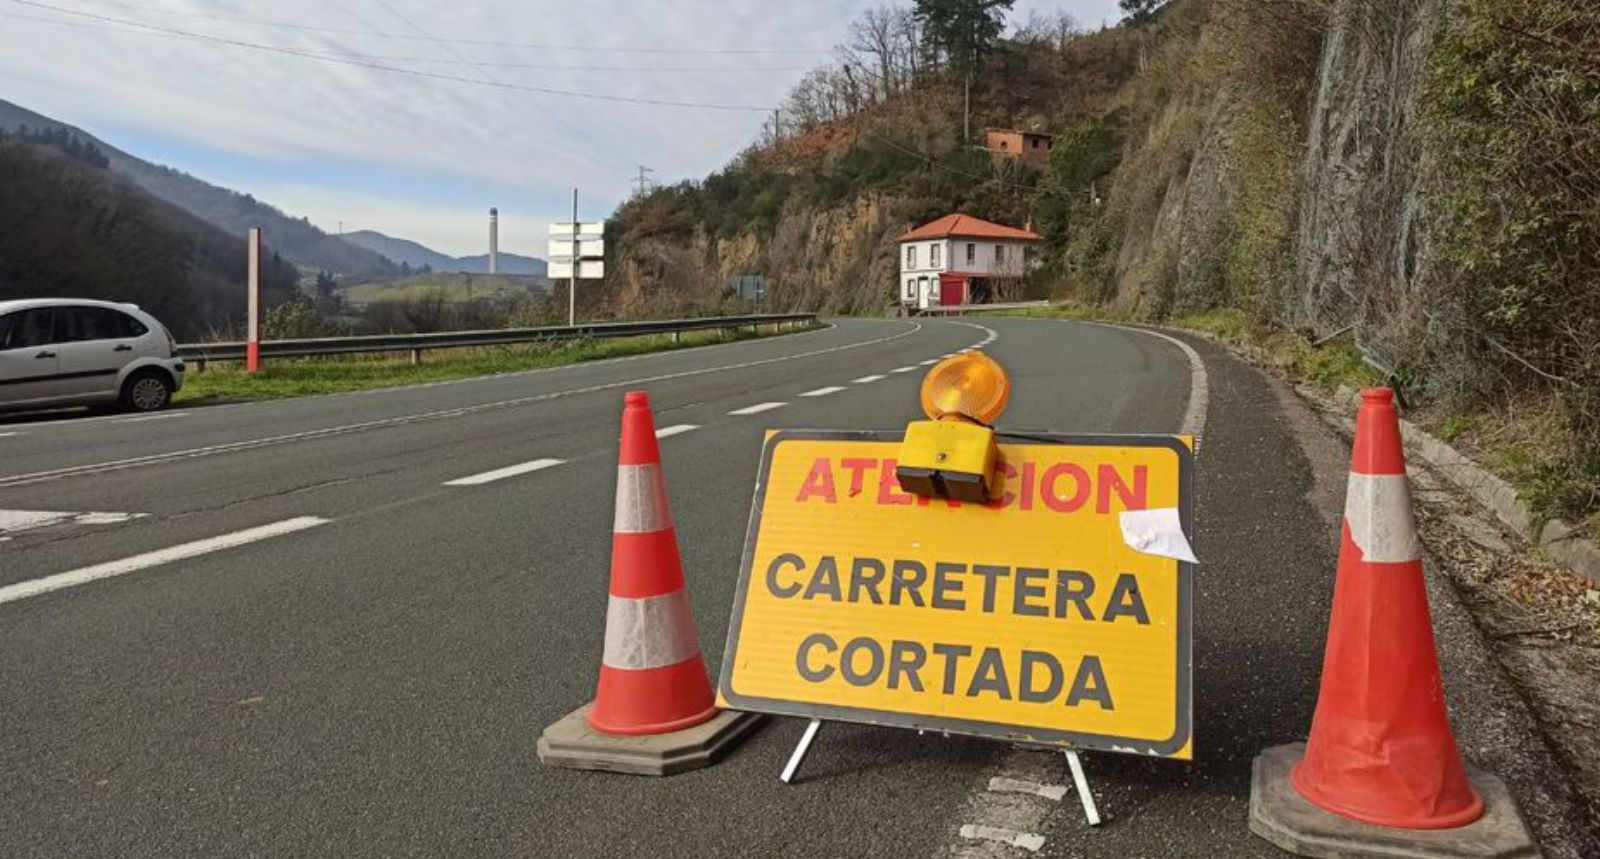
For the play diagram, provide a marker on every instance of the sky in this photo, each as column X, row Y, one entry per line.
column 429, row 113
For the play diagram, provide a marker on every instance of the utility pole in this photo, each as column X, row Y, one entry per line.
column 643, row 181
column 966, row 110
column 777, row 125
column 572, row 283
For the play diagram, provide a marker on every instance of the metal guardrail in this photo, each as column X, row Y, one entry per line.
column 200, row 353
column 978, row 308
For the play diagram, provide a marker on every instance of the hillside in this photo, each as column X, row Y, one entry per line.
column 416, row 255
column 228, row 210
column 68, row 226
column 1413, row 181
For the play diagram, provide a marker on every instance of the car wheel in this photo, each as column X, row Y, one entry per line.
column 146, row 391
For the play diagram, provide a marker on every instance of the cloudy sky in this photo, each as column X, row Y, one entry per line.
column 413, row 117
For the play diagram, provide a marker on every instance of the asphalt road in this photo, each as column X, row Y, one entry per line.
column 372, row 684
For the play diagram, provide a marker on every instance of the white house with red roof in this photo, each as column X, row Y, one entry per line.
column 959, row 259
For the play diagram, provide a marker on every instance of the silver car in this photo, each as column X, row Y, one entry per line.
column 58, row 352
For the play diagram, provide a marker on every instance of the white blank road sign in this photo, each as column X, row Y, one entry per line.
column 587, row 269
column 586, row 230
column 567, row 249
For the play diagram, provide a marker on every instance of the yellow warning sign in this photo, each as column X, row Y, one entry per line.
column 1044, row 616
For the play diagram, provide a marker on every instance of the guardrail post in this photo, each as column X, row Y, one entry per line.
column 416, row 357
column 677, row 336
column 200, row 365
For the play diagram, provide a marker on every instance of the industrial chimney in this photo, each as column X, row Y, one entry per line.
column 494, row 241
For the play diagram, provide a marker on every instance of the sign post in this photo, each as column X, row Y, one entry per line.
column 576, row 250
column 1058, row 614
column 252, row 363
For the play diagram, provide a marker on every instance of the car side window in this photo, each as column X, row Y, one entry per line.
column 27, row 328
column 95, row 323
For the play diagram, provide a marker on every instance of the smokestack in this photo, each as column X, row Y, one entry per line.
column 494, row 241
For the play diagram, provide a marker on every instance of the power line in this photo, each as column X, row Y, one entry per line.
column 349, row 61
column 499, row 64
column 293, row 25
column 947, row 168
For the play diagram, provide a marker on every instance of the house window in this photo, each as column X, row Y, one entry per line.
column 972, row 252
column 1035, row 143
column 1002, row 144
column 999, row 255
column 911, row 289
column 911, row 256
column 933, row 256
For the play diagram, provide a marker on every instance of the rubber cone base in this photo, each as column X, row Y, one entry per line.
column 1282, row 816
column 573, row 744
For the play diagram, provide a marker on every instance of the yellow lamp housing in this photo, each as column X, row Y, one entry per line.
column 953, row 454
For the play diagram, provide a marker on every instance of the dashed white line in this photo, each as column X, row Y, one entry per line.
column 865, row 379
column 84, row 575
column 142, row 418
column 675, row 429
column 911, row 369
column 1026, row 840
column 823, row 392
column 503, row 473
column 757, row 409
column 1002, row 784
column 928, row 362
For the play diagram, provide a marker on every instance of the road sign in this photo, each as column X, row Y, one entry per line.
column 1031, row 618
column 566, row 249
column 585, row 229
column 587, row 269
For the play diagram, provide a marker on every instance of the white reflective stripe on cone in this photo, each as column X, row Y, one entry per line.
column 1378, row 510
column 641, row 500
column 649, row 633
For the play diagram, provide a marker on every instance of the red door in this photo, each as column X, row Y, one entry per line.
column 952, row 290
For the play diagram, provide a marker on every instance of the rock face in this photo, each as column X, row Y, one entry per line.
column 1360, row 245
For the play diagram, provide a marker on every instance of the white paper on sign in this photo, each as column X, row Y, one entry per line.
column 1157, row 532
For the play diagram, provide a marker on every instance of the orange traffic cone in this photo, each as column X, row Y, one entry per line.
column 652, row 677
column 1381, row 749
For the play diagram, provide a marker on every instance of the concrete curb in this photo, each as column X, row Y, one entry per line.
column 1555, row 538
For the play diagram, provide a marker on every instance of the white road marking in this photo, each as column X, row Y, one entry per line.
column 161, row 417
column 503, row 473
column 865, row 379
column 757, row 409
column 1194, row 417
column 1002, row 784
column 911, row 369
column 1026, row 840
column 209, row 450
column 928, row 362
column 13, row 521
column 675, row 429
column 10, row 434
column 823, row 392
column 84, row 575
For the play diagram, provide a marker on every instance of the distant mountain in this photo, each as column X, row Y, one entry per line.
column 417, row 255
column 69, row 226
column 296, row 240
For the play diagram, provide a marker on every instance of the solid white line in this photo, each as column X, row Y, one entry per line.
column 84, row 575
column 904, row 370
column 865, row 379
column 403, row 420
column 823, row 392
column 675, row 429
column 161, row 417
column 503, row 473
column 757, row 409
column 10, row 434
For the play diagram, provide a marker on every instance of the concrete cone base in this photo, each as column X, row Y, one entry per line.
column 571, row 743
column 1281, row 815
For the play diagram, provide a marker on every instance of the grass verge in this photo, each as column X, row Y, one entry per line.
column 297, row 377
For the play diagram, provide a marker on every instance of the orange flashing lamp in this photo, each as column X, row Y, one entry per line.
column 953, row 453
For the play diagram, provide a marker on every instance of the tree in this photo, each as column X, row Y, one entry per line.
column 1140, row 10
column 963, row 30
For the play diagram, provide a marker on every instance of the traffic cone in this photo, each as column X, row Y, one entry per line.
column 652, row 677
column 1380, row 748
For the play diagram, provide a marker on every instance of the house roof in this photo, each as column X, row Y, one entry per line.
column 967, row 227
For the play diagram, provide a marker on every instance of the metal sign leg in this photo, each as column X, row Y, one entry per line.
column 800, row 750
column 1082, row 784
